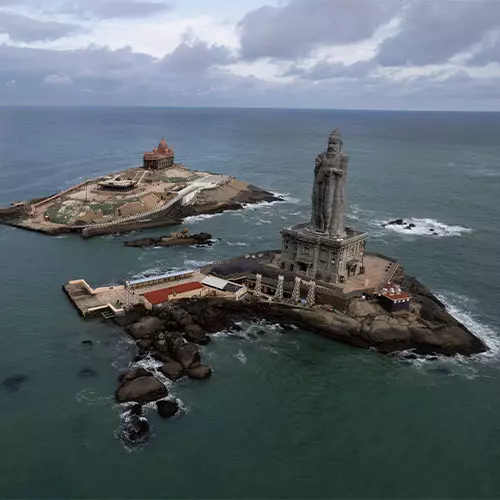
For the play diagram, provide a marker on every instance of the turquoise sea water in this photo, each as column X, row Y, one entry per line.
column 286, row 415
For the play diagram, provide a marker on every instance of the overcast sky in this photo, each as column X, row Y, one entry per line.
column 367, row 54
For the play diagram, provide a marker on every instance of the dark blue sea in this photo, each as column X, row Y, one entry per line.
column 286, row 415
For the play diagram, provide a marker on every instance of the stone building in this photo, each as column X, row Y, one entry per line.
column 324, row 249
column 160, row 157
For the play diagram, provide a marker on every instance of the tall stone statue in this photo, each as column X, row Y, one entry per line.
column 330, row 175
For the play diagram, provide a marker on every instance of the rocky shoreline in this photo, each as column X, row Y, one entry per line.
column 209, row 203
column 173, row 239
column 173, row 334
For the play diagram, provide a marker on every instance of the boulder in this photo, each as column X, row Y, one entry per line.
column 146, row 327
column 141, row 390
column 186, row 320
column 172, row 370
column 87, row 343
column 174, row 340
column 167, row 408
column 133, row 374
column 162, row 346
column 164, row 358
column 200, row 372
column 187, row 354
column 144, row 345
column 194, row 333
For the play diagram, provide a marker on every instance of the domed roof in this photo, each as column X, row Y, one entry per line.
column 162, row 145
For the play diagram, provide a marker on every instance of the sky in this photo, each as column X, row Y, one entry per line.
column 341, row 54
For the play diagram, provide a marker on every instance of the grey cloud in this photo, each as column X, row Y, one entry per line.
column 100, row 76
column 197, row 57
column 326, row 71
column 487, row 52
column 26, row 29
column 109, row 9
column 297, row 28
column 432, row 32
column 92, row 64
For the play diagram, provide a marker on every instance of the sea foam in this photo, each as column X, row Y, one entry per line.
column 426, row 227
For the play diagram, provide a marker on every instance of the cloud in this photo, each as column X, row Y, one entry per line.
column 21, row 28
column 324, row 70
column 487, row 52
column 300, row 26
column 197, row 57
column 94, row 64
column 109, row 9
column 57, row 79
column 432, row 32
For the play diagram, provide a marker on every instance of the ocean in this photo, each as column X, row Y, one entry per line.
column 286, row 414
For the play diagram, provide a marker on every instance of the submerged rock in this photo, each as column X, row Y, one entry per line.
column 136, row 428
column 135, row 409
column 87, row 372
column 14, row 383
column 167, row 408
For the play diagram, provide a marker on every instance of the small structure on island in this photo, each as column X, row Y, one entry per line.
column 324, row 249
column 117, row 184
column 161, row 157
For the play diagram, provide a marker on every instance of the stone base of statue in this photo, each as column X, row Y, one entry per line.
column 320, row 256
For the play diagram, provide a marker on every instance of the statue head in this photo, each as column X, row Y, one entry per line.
column 335, row 142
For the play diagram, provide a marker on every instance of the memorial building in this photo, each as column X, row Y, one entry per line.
column 161, row 157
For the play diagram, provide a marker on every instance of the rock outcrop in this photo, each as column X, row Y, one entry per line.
column 173, row 239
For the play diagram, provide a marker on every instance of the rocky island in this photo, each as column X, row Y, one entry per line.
column 179, row 238
column 158, row 193
column 322, row 280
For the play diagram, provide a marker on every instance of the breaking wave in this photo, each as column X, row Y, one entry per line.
column 236, row 243
column 425, row 227
column 464, row 310
column 193, row 219
column 241, row 357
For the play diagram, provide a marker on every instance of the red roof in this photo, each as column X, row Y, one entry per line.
column 160, row 296
column 397, row 296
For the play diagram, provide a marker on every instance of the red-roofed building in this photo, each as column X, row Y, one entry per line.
column 160, row 157
column 395, row 302
column 165, row 294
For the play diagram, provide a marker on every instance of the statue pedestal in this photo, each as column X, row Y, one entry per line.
column 319, row 256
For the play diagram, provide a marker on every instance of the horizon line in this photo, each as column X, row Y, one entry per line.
column 281, row 108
